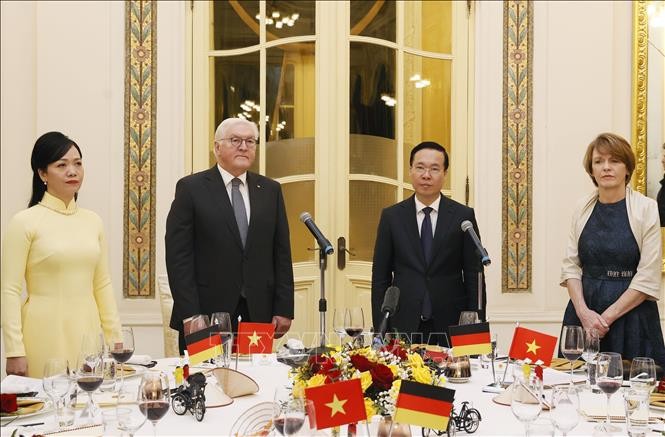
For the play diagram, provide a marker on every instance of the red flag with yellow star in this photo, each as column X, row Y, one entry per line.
column 533, row 345
column 337, row 404
column 255, row 338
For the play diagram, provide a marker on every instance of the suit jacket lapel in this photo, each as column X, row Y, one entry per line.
column 256, row 202
column 220, row 198
column 411, row 228
column 443, row 225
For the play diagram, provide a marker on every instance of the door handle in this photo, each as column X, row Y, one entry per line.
column 341, row 253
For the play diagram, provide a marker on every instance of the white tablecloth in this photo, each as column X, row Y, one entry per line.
column 496, row 419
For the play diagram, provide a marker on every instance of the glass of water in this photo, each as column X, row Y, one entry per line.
column 565, row 408
column 643, row 374
column 526, row 399
column 636, row 404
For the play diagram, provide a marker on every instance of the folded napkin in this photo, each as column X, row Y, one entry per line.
column 20, row 384
column 126, row 370
column 141, row 360
column 106, row 399
column 657, row 400
column 26, row 406
column 564, row 364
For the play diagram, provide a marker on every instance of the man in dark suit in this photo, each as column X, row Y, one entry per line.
column 227, row 239
column 421, row 249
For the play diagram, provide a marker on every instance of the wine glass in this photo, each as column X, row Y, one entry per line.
column 288, row 412
column 122, row 349
column 354, row 322
column 195, row 323
column 154, row 397
column 223, row 323
column 468, row 318
column 338, row 324
column 57, row 383
column 572, row 345
column 609, row 376
column 90, row 371
column 591, row 349
column 130, row 419
column 525, row 399
column 643, row 374
column 565, row 413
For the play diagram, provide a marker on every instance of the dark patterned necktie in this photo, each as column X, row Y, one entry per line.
column 239, row 209
column 426, row 239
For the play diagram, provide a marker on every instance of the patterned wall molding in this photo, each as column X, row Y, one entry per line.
column 517, row 145
column 639, row 94
column 140, row 129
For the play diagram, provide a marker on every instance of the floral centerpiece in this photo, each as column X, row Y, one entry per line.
column 380, row 371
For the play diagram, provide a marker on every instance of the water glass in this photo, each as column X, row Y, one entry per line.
column 57, row 383
column 565, row 408
column 110, row 383
column 525, row 400
column 468, row 318
column 643, row 374
column 636, row 404
column 591, row 350
column 130, row 419
column 223, row 323
column 110, row 422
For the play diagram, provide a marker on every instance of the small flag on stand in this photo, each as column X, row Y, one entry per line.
column 471, row 339
column 203, row 345
column 255, row 338
column 533, row 345
column 424, row 405
column 337, row 404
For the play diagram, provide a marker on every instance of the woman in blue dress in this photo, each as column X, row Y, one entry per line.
column 612, row 267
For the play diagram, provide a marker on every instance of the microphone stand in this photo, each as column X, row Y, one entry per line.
column 323, row 305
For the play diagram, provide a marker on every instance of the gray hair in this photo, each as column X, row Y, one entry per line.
column 228, row 123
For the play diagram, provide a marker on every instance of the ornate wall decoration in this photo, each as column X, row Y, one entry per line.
column 140, row 147
column 517, row 145
column 639, row 94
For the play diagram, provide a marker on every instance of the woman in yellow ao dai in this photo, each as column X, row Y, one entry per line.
column 60, row 250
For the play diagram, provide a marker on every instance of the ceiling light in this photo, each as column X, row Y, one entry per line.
column 415, row 77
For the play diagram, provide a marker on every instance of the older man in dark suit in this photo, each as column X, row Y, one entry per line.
column 227, row 238
column 421, row 249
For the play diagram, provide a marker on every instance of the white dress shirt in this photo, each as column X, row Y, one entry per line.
column 244, row 191
column 434, row 214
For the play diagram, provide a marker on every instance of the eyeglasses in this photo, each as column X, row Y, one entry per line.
column 237, row 142
column 421, row 170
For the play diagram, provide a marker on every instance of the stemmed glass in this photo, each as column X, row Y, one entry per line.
column 591, row 349
column 526, row 399
column 609, row 376
column 195, row 323
column 223, row 323
column 354, row 322
column 338, row 324
column 57, row 382
column 154, row 397
column 90, row 371
column 288, row 412
column 572, row 345
column 130, row 419
column 565, row 413
column 468, row 318
column 643, row 374
column 122, row 350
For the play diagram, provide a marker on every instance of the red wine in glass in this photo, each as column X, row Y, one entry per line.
column 608, row 386
column 154, row 411
column 122, row 355
column 353, row 332
column 89, row 383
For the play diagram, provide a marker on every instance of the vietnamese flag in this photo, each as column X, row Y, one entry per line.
column 203, row 345
column 338, row 403
column 471, row 339
column 533, row 345
column 255, row 338
column 424, row 405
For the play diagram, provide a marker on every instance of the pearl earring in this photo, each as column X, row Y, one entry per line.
column 45, row 183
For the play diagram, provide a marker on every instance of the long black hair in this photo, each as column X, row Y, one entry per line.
column 48, row 148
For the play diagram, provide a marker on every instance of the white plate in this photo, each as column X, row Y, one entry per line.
column 47, row 409
column 458, row 380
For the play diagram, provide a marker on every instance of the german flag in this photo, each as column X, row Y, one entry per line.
column 470, row 339
column 203, row 345
column 424, row 405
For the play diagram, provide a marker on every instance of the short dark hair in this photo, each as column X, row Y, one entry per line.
column 430, row 145
column 48, row 148
column 616, row 146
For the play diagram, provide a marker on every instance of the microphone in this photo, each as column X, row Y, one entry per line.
column 390, row 300
column 322, row 241
column 467, row 227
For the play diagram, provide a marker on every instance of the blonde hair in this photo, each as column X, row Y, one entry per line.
column 616, row 146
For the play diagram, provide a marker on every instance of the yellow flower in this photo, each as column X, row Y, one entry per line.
column 416, row 360
column 394, row 368
column 370, row 409
column 298, row 390
column 365, row 380
column 316, row 380
column 422, row 374
column 442, row 380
